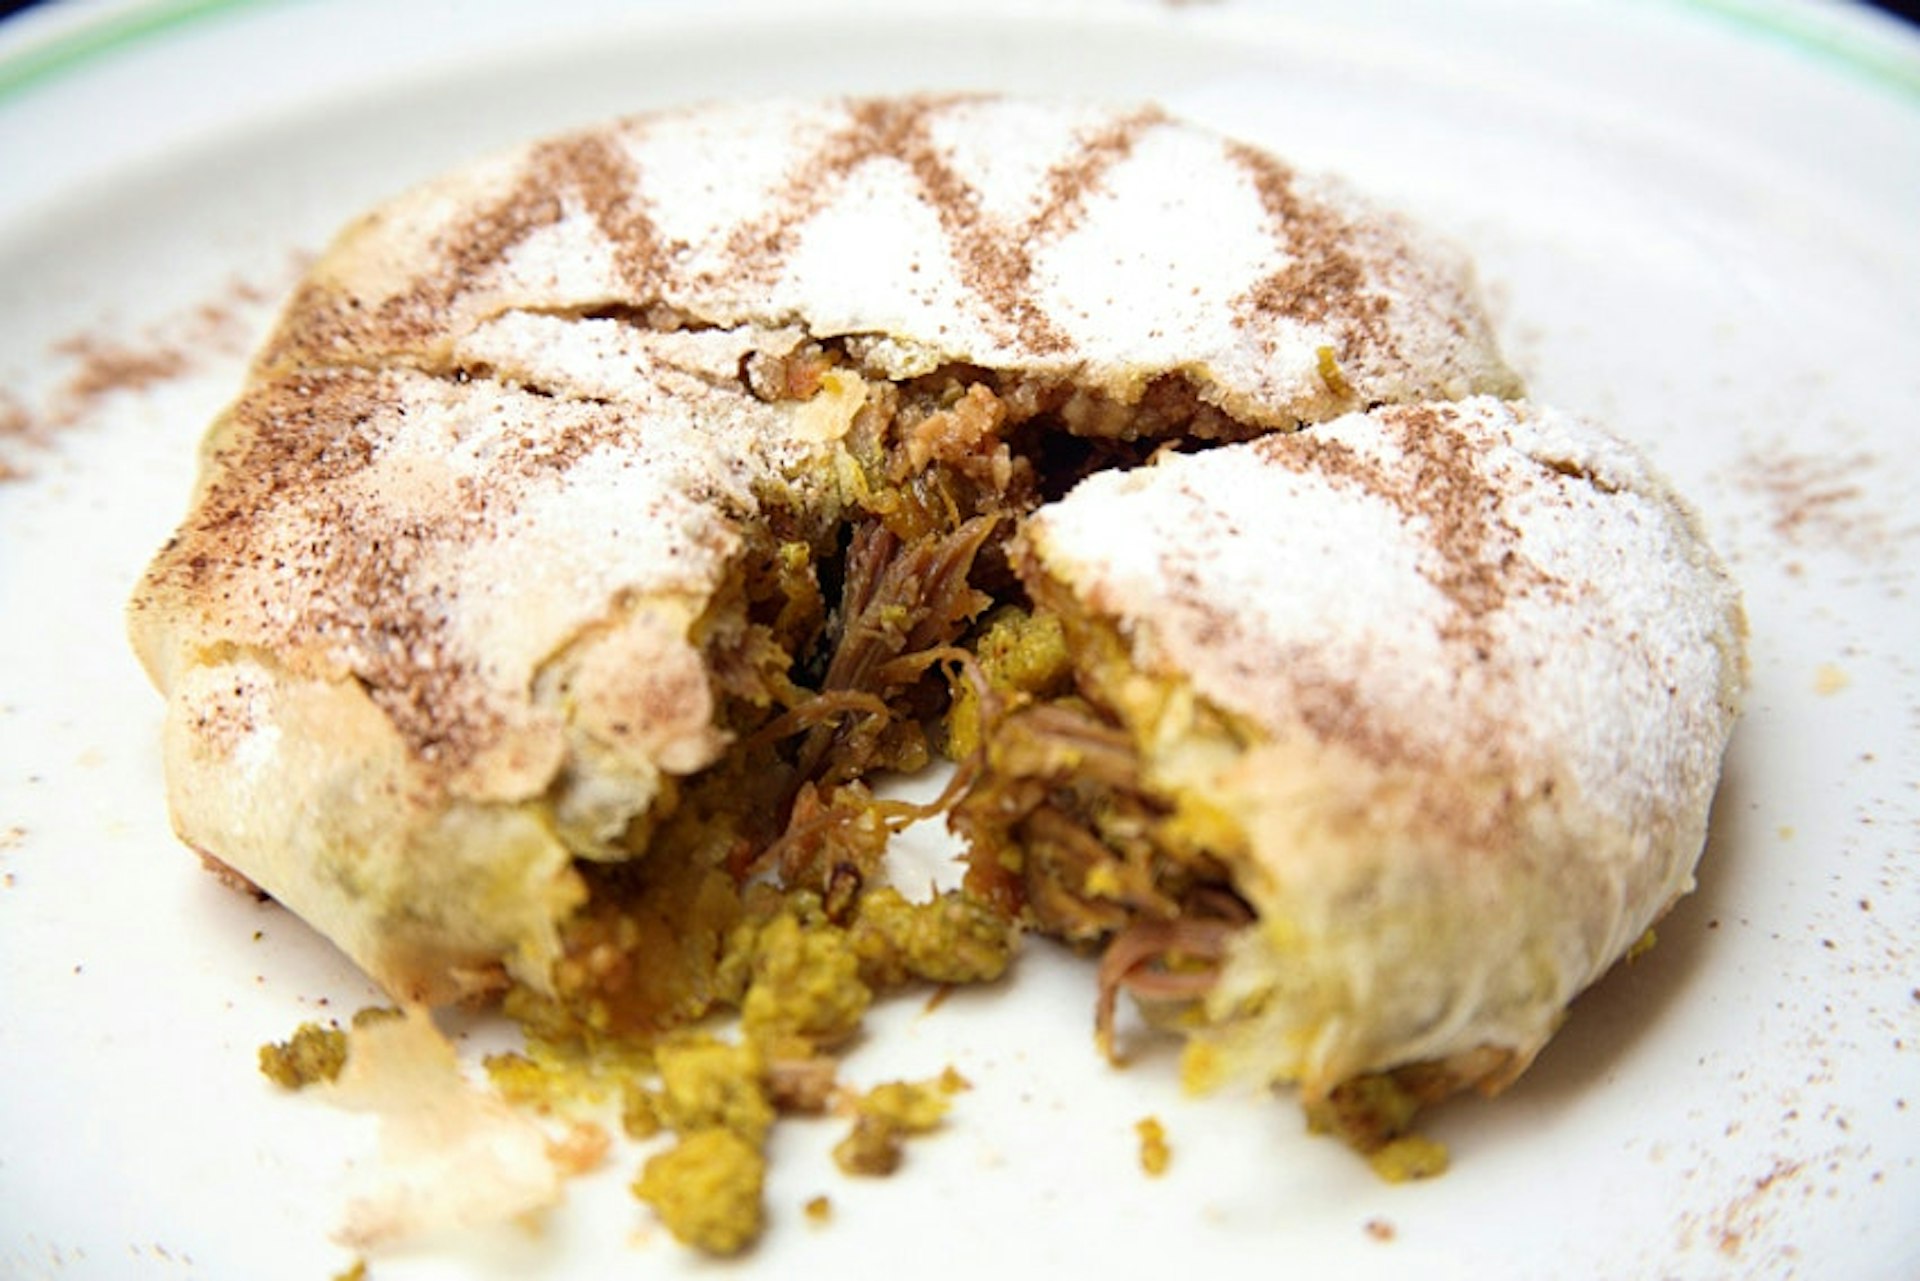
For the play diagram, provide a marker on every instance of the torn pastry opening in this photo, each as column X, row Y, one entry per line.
column 857, row 636
column 869, row 634
column 1073, row 827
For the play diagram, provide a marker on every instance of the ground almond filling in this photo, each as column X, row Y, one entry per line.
column 848, row 643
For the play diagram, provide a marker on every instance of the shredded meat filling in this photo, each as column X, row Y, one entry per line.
column 1063, row 830
column 1155, row 960
column 899, row 599
column 841, row 644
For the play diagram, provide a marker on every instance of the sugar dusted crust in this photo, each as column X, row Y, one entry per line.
column 1476, row 669
column 599, row 514
column 1111, row 246
column 437, row 628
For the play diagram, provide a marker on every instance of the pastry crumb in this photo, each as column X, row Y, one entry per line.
column 1155, row 1154
column 311, row 1055
column 885, row 1116
column 708, row 1190
column 1409, row 1157
column 314, row 1054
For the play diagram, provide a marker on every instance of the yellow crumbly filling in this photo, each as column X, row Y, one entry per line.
column 311, row 1055
column 1019, row 652
column 314, row 1053
column 1374, row 1114
column 708, row 1189
column 885, row 1116
column 1156, row 1155
column 1083, row 823
column 1064, row 825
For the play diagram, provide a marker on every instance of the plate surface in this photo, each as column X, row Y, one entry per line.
column 1695, row 221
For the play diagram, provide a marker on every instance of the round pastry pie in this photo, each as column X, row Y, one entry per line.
column 529, row 513
column 599, row 516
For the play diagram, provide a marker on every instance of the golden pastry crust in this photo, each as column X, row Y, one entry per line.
column 462, row 598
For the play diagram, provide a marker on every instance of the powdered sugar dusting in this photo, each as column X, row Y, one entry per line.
column 1484, row 671
column 1474, row 588
column 898, row 216
column 536, row 361
column 382, row 525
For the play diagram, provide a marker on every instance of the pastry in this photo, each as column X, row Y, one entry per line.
column 1383, row 740
column 596, row 508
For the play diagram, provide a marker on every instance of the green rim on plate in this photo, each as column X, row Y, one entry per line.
column 94, row 41
column 1826, row 32
column 1831, row 34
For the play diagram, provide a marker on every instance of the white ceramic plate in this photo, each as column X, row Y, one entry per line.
column 1696, row 221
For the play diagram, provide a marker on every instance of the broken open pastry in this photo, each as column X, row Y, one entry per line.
column 600, row 515
column 1383, row 739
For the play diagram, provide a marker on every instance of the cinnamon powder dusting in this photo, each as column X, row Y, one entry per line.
column 993, row 260
column 17, row 428
column 102, row 367
column 609, row 184
column 588, row 168
column 1070, row 182
column 1331, row 268
column 1324, row 283
column 1820, row 501
column 1745, row 1215
column 306, row 435
column 106, row 367
column 1443, row 567
column 1443, row 488
column 358, row 601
